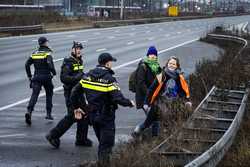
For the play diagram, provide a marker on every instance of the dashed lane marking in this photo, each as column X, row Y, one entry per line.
column 12, row 135
column 130, row 43
column 101, row 50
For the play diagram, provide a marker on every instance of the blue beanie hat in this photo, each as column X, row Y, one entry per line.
column 152, row 51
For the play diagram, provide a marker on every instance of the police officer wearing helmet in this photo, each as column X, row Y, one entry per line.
column 44, row 72
column 102, row 98
column 71, row 74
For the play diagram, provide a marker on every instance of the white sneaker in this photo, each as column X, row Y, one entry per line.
column 137, row 129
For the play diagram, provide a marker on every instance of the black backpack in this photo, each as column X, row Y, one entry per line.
column 133, row 77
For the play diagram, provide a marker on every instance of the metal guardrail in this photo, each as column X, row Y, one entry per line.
column 213, row 155
column 19, row 29
column 233, row 38
column 101, row 24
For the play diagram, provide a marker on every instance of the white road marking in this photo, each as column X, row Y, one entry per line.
column 58, row 60
column 115, row 68
column 179, row 32
column 148, row 32
column 70, row 36
column 26, row 100
column 12, row 135
column 100, row 50
column 84, row 41
column 167, row 35
column 151, row 38
column 34, row 40
column 130, row 43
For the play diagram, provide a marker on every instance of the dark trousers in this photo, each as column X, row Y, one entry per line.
column 105, row 133
column 36, row 88
column 68, row 120
column 152, row 116
column 65, row 123
column 152, row 119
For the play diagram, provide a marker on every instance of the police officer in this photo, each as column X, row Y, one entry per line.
column 71, row 74
column 44, row 72
column 103, row 96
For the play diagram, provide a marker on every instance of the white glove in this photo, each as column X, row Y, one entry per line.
column 133, row 103
column 146, row 107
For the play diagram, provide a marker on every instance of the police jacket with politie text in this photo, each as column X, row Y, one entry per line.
column 43, row 64
column 71, row 71
column 102, row 92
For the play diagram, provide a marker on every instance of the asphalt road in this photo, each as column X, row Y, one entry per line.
column 26, row 146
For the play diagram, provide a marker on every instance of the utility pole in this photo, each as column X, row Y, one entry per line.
column 122, row 6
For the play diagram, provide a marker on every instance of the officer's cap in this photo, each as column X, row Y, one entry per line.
column 104, row 58
column 42, row 40
column 77, row 45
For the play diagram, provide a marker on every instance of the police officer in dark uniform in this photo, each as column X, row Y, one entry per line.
column 103, row 96
column 44, row 72
column 71, row 74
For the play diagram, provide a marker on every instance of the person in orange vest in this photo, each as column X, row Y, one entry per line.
column 170, row 84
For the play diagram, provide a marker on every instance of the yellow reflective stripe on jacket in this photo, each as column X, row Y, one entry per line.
column 40, row 55
column 78, row 68
column 96, row 83
column 101, row 87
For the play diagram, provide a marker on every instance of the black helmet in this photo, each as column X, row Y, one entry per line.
column 42, row 40
column 77, row 45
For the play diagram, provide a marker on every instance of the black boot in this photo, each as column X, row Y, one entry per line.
column 54, row 142
column 28, row 117
column 49, row 116
column 85, row 143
